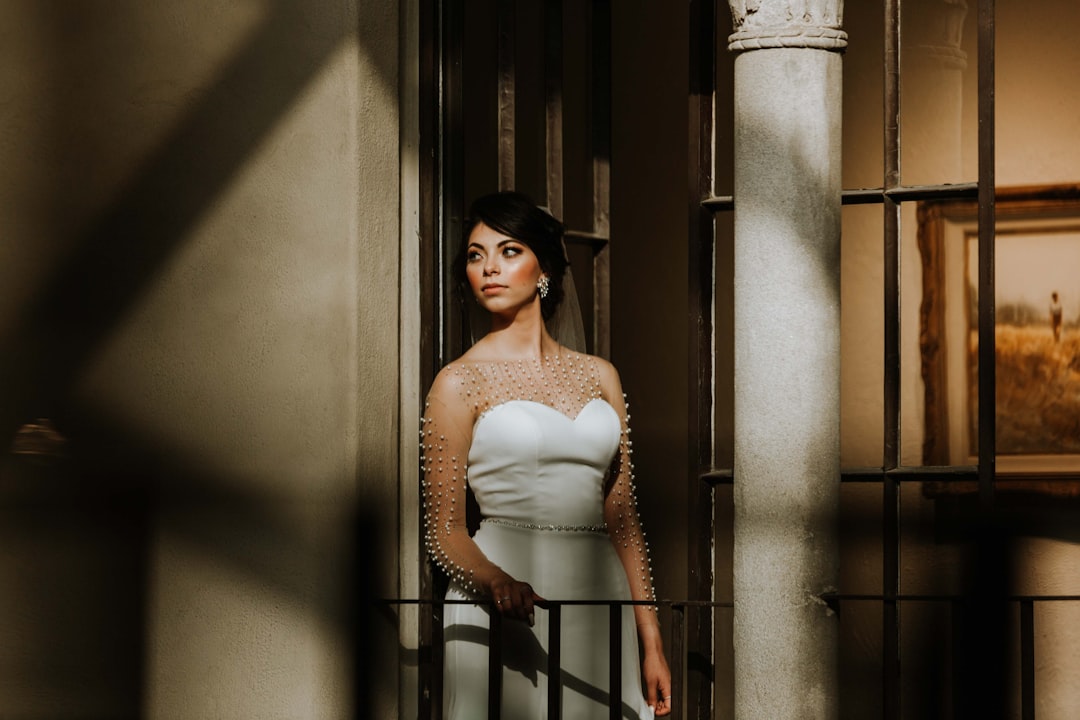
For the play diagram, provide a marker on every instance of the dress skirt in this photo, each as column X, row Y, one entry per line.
column 560, row 565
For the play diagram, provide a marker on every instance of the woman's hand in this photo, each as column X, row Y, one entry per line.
column 514, row 599
column 654, row 670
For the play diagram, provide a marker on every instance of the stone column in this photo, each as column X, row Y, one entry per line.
column 787, row 354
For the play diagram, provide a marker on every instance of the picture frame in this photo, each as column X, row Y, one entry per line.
column 1037, row 253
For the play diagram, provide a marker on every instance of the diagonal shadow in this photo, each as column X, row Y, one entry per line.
column 119, row 255
column 97, row 528
column 523, row 654
column 116, row 258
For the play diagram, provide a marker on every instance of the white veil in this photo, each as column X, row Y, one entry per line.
column 566, row 326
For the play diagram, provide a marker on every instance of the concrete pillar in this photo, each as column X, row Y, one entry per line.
column 787, row 354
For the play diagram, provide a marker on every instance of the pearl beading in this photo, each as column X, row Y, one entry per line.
column 465, row 391
column 560, row 382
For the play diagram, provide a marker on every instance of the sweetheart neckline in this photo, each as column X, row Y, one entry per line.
column 543, row 405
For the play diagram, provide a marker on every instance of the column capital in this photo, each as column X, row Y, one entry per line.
column 761, row 24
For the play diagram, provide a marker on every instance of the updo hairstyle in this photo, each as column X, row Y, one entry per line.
column 516, row 216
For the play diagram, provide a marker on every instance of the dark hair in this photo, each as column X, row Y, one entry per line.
column 514, row 215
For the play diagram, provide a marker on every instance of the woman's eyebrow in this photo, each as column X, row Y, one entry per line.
column 499, row 244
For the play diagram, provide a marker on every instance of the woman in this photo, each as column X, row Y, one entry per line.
column 539, row 432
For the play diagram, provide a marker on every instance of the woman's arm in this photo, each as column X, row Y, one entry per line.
column 445, row 438
column 628, row 536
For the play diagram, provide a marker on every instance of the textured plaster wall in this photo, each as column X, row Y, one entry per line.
column 199, row 267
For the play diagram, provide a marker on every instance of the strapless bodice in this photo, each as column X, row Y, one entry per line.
column 530, row 463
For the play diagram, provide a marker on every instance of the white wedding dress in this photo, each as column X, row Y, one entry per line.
column 539, row 469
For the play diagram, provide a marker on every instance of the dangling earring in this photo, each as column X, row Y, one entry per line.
column 542, row 285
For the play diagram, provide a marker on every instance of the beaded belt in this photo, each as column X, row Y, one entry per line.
column 602, row 527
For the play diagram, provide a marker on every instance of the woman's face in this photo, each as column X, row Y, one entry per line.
column 502, row 271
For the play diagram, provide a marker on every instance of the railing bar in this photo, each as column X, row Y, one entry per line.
column 678, row 666
column 918, row 473
column 432, row 699
column 430, row 43
column 701, row 296
column 495, row 665
column 959, row 664
column 987, row 227
column 890, row 667
column 1027, row 660
column 903, row 597
column 615, row 660
column 554, row 668
column 891, row 598
column 869, row 196
column 549, row 603
column 684, row 604
column 906, row 193
column 948, row 191
column 931, row 597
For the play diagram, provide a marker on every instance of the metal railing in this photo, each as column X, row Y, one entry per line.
column 965, row 611
column 676, row 653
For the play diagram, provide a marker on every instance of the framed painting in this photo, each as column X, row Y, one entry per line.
column 1037, row 331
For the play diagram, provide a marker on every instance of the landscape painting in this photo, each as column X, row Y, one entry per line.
column 1036, row 335
column 1037, row 329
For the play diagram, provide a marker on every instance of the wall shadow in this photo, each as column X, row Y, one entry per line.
column 79, row 526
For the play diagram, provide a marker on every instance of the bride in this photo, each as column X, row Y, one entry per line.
column 540, row 434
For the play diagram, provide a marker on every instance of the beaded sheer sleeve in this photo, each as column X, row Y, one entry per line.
column 445, row 436
column 462, row 392
column 621, row 513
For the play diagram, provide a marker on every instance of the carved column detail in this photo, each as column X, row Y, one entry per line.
column 761, row 24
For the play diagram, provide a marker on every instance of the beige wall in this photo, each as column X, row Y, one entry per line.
column 200, row 244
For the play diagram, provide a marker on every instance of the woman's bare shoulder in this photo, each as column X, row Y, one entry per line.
column 467, row 371
column 451, row 380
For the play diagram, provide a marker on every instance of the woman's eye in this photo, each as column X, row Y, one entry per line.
column 510, row 251
column 472, row 256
